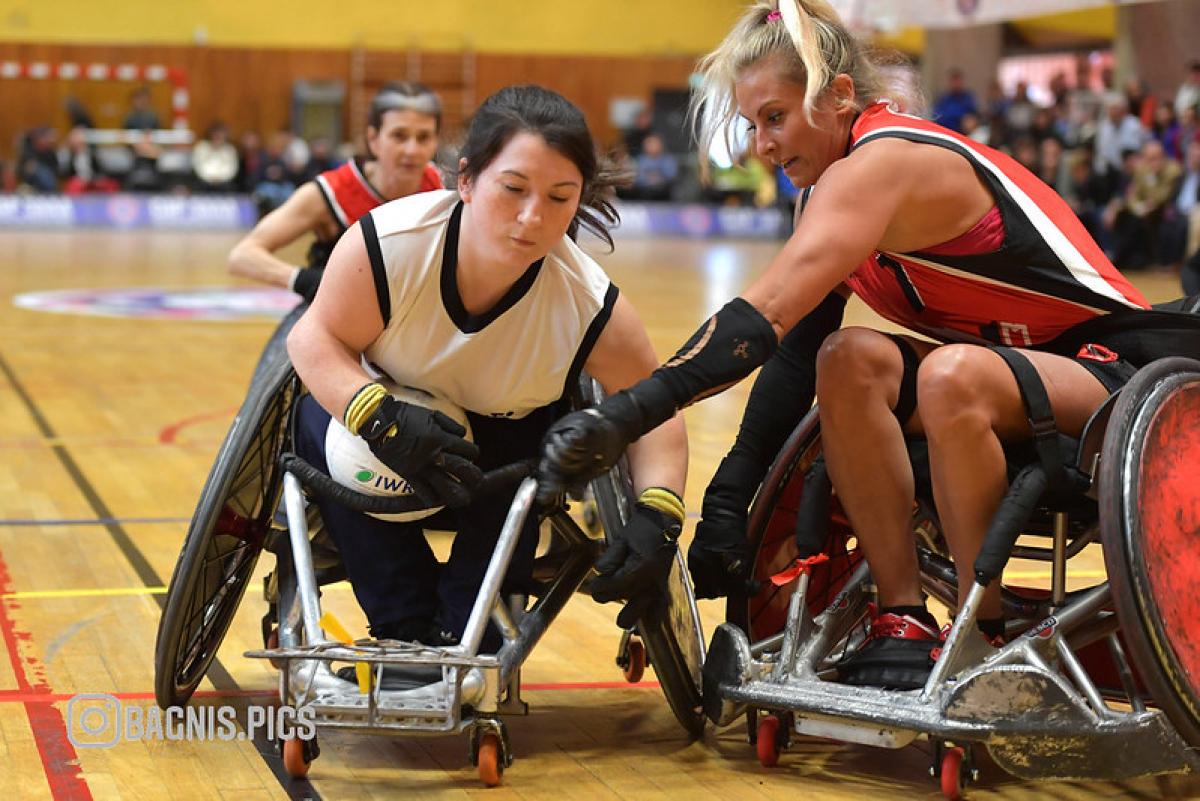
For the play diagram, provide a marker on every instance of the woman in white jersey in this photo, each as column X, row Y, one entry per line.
column 482, row 298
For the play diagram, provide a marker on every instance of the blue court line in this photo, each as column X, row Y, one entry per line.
column 94, row 521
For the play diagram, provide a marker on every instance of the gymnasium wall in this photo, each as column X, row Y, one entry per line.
column 242, row 65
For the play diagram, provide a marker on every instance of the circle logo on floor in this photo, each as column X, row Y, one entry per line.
column 205, row 303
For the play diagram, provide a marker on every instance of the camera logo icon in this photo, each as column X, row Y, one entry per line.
column 93, row 720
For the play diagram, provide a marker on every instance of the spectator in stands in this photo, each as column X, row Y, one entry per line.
column 1046, row 126
column 272, row 184
column 38, row 161
column 250, row 161
column 1188, row 95
column 1087, row 195
column 975, row 128
column 1189, row 128
column 1141, row 103
column 295, row 159
column 1025, row 151
column 1181, row 221
column 77, row 113
column 1166, row 130
column 636, row 136
column 1018, row 119
column 995, row 114
column 1118, row 133
column 77, row 166
column 655, row 171
column 320, row 158
column 215, row 160
column 1051, row 167
column 1137, row 216
column 141, row 114
column 144, row 175
column 956, row 101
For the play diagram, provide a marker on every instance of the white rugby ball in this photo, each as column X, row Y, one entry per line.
column 352, row 464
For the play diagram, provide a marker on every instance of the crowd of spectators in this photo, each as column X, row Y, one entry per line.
column 1128, row 162
column 215, row 164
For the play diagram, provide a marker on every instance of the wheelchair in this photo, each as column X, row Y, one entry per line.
column 1101, row 682
column 254, row 501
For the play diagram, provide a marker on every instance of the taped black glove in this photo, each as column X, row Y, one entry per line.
column 306, row 282
column 636, row 565
column 426, row 448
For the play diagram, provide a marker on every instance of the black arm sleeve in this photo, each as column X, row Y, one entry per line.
column 782, row 394
column 730, row 345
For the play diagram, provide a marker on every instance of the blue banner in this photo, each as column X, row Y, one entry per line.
column 216, row 212
column 697, row 221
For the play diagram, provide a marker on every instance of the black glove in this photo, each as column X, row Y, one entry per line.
column 306, row 282
column 719, row 559
column 637, row 563
column 426, row 448
column 576, row 449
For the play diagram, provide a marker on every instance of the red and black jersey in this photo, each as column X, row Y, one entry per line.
column 1024, row 274
column 349, row 195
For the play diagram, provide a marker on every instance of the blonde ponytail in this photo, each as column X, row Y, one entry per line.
column 814, row 45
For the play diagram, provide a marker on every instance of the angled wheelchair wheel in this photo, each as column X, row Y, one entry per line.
column 771, row 533
column 226, row 536
column 670, row 632
column 1149, row 521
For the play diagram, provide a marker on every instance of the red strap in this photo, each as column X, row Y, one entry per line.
column 798, row 568
column 1096, row 353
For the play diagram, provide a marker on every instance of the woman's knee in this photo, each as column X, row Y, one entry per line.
column 854, row 361
column 953, row 384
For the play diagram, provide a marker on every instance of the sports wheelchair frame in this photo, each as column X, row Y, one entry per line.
column 254, row 500
column 1061, row 699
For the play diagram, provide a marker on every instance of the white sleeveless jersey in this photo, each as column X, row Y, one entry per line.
column 522, row 354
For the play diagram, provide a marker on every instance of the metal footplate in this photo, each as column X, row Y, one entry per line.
column 1031, row 718
column 472, row 682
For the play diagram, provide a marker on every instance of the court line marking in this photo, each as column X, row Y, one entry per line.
column 33, row 696
column 167, row 435
column 217, row 673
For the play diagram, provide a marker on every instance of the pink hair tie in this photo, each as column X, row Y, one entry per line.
column 774, row 16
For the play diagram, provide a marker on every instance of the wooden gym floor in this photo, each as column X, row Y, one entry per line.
column 108, row 426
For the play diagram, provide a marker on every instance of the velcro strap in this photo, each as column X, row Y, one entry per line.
column 363, row 405
column 664, row 500
column 1038, row 411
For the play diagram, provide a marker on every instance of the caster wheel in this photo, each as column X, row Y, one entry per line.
column 954, row 778
column 767, row 742
column 296, row 760
column 491, row 765
column 635, row 665
column 273, row 642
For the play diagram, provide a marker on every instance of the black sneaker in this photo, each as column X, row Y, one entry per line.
column 897, row 654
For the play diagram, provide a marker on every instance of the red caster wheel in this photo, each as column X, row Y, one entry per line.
column 491, row 765
column 767, row 742
column 296, row 760
column 635, row 661
column 953, row 775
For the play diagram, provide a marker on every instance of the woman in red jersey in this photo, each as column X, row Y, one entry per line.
column 402, row 137
column 934, row 231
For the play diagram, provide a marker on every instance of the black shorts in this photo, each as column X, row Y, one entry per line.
column 1112, row 374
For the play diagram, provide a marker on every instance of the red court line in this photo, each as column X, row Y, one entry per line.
column 168, row 434
column 59, row 761
column 45, row 696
